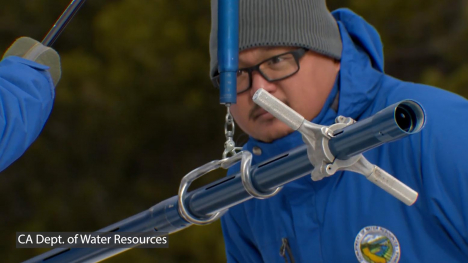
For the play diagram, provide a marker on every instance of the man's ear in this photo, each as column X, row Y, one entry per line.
column 337, row 63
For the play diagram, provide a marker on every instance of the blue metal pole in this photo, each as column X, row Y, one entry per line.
column 228, row 49
column 227, row 192
column 164, row 217
column 392, row 123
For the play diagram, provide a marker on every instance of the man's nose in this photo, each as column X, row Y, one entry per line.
column 259, row 82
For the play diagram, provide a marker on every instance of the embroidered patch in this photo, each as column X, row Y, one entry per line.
column 375, row 244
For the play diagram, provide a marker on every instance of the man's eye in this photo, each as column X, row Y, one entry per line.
column 276, row 60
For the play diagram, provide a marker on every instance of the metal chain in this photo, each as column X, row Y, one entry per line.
column 229, row 127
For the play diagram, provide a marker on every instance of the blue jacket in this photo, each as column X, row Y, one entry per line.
column 345, row 217
column 26, row 98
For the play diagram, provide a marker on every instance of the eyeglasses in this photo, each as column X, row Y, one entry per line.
column 273, row 69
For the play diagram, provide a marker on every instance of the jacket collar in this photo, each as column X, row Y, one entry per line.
column 361, row 63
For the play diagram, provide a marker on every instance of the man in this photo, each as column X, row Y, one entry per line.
column 29, row 73
column 323, row 65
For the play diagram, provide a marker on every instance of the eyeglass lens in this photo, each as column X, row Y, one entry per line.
column 275, row 68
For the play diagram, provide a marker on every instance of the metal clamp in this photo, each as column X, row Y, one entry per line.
column 246, row 160
column 247, row 180
column 337, row 164
column 317, row 137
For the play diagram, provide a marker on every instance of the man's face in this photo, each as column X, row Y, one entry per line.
column 305, row 92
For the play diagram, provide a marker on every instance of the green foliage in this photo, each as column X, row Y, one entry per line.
column 424, row 41
column 135, row 110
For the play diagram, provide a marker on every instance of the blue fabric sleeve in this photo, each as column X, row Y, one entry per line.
column 26, row 99
column 236, row 230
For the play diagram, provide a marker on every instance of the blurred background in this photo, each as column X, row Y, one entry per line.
column 135, row 110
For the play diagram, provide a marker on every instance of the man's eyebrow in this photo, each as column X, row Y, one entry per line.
column 265, row 54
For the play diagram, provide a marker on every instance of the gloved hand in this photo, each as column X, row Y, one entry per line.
column 31, row 49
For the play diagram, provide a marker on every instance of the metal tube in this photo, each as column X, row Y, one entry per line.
column 228, row 49
column 392, row 123
column 62, row 22
column 164, row 216
column 229, row 191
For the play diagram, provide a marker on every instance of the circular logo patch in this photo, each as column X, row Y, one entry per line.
column 375, row 244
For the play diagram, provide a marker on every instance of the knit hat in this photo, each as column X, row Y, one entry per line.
column 297, row 23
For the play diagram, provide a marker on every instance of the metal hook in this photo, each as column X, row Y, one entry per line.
column 244, row 157
column 247, row 180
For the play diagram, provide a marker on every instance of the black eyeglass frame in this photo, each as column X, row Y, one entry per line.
column 297, row 54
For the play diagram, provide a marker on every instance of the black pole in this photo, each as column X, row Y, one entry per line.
column 62, row 22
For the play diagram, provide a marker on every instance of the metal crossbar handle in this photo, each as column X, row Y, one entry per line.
column 393, row 122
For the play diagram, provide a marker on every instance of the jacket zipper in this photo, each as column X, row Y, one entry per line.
column 285, row 251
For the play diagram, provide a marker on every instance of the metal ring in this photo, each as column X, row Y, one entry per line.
column 247, row 179
column 197, row 173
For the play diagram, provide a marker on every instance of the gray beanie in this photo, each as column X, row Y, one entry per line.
column 297, row 23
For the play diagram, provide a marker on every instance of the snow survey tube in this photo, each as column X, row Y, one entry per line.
column 392, row 123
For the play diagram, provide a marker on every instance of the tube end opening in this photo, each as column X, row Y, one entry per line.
column 410, row 116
